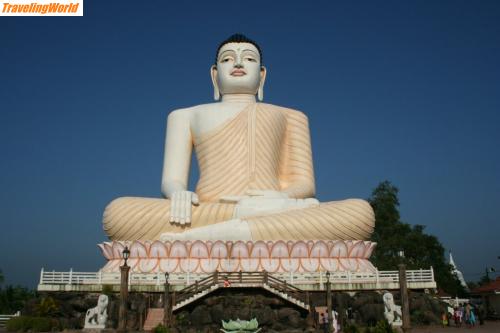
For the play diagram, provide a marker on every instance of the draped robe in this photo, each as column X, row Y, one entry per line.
column 263, row 147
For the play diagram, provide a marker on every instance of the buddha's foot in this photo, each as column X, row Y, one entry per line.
column 235, row 229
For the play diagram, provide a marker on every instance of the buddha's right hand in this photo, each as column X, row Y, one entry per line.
column 181, row 206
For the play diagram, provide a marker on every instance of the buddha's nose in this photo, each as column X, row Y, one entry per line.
column 238, row 63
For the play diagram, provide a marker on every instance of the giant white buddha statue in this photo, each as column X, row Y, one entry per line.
column 256, row 178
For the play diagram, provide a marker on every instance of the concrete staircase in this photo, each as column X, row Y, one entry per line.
column 195, row 297
column 263, row 280
column 153, row 318
column 286, row 297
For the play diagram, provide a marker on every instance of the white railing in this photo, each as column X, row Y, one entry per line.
column 5, row 318
column 101, row 278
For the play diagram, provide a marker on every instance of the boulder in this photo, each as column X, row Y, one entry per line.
column 201, row 316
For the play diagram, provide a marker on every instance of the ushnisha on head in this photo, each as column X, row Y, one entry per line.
column 238, row 68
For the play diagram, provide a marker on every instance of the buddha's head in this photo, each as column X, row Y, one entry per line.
column 238, row 68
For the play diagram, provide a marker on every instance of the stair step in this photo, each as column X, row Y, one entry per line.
column 153, row 318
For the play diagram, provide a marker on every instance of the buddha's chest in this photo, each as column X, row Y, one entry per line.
column 249, row 120
column 249, row 143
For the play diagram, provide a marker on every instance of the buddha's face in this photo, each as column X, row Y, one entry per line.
column 238, row 69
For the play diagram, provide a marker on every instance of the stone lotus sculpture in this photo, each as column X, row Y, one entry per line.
column 96, row 317
column 392, row 312
column 205, row 257
column 256, row 170
column 240, row 326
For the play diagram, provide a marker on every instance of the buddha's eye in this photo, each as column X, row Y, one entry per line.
column 251, row 59
column 225, row 60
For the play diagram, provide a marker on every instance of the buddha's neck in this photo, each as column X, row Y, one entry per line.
column 238, row 98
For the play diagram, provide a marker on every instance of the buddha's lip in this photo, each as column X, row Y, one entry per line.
column 238, row 72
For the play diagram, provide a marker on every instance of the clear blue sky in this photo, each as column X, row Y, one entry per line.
column 405, row 91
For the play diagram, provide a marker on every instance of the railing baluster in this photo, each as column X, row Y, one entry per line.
column 41, row 276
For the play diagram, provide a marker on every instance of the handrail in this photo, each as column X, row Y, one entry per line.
column 198, row 287
column 275, row 281
column 283, row 286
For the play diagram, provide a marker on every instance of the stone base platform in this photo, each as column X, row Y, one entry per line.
column 232, row 256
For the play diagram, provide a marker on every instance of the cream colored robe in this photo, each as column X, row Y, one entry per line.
column 264, row 147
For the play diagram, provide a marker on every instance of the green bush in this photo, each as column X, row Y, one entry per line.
column 424, row 318
column 382, row 326
column 17, row 324
column 182, row 319
column 160, row 329
column 35, row 324
column 351, row 329
column 43, row 324
column 47, row 307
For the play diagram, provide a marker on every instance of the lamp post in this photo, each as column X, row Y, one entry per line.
column 166, row 302
column 329, row 301
column 403, row 289
column 122, row 314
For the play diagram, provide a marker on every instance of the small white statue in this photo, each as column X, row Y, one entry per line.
column 392, row 312
column 96, row 317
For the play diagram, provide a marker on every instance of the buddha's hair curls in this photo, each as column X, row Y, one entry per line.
column 238, row 38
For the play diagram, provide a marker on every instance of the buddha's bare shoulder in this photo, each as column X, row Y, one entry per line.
column 288, row 112
column 192, row 111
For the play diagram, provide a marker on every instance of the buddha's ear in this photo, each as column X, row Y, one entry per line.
column 260, row 93
column 213, row 74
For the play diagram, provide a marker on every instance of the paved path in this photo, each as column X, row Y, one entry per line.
column 488, row 327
